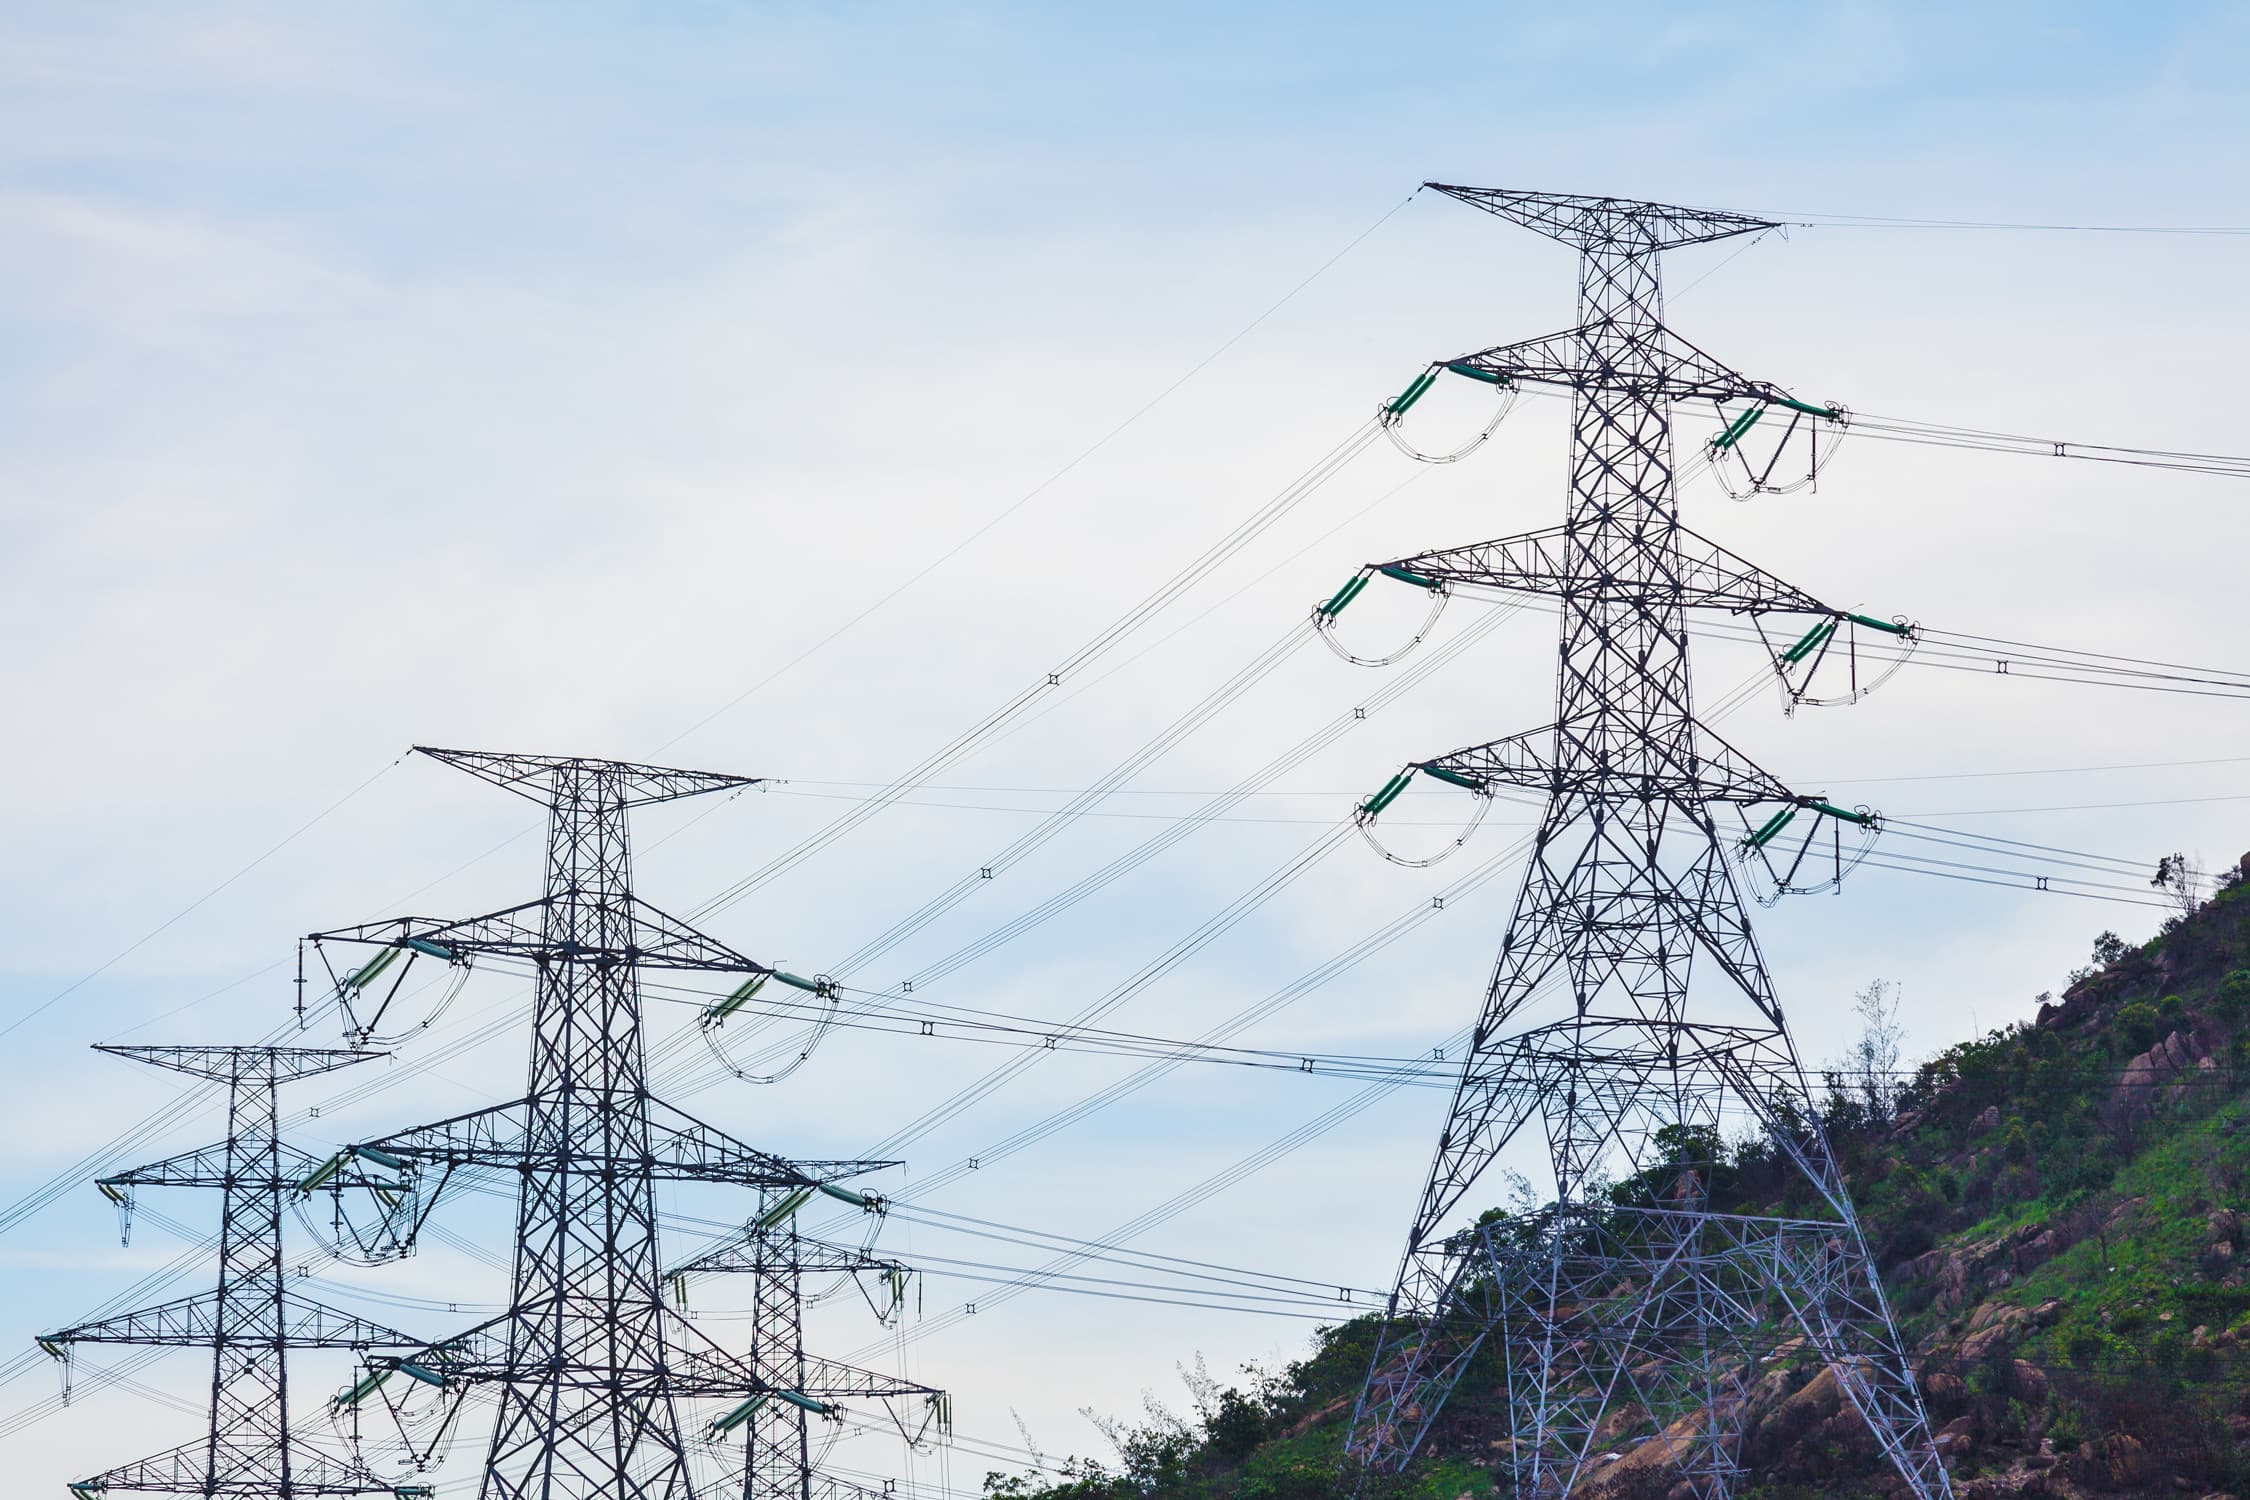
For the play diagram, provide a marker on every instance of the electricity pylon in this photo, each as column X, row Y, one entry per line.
column 252, row 1319
column 777, row 1449
column 1642, row 1295
column 588, row 1363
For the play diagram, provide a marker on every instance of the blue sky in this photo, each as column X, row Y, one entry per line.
column 549, row 378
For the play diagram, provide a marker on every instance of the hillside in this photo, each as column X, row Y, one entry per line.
column 2059, row 1208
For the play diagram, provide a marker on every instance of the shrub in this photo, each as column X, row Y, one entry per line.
column 2135, row 1024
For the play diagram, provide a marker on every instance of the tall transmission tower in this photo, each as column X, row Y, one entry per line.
column 778, row 1462
column 1642, row 1295
column 589, row 1365
column 252, row 1319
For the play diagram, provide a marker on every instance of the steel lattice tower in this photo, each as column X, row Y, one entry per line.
column 589, row 1365
column 1646, row 1297
column 251, row 1319
column 777, row 1449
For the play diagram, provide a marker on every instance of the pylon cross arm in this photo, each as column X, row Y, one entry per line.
column 245, row 1467
column 658, row 940
column 680, row 1148
column 1653, row 364
column 208, row 1166
column 1548, row 760
column 1701, row 574
column 1592, row 221
column 194, row 1321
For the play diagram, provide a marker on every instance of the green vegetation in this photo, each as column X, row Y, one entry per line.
column 2058, row 1207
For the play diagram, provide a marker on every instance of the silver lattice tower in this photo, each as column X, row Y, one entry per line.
column 589, row 1366
column 252, row 1319
column 1632, row 1291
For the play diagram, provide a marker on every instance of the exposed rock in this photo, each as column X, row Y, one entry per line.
column 2027, row 1382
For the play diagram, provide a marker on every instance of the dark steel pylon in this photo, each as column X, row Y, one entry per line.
column 251, row 1320
column 778, row 1458
column 589, row 1364
column 1638, row 1295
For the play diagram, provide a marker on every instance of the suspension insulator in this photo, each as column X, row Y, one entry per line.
column 1737, row 429
column 1452, row 778
column 1338, row 601
column 422, row 1373
column 825, row 988
column 782, row 1210
column 323, row 1172
column 807, row 1403
column 380, row 1157
column 1406, row 575
column 741, row 995
column 365, row 1387
column 738, row 1416
column 1374, row 805
column 1829, row 413
column 114, row 1193
column 846, row 1195
column 1489, row 377
column 1848, row 815
column 1894, row 627
column 366, row 974
column 1809, row 642
column 1772, row 828
column 1415, row 389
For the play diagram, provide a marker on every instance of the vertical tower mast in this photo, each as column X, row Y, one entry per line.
column 589, row 1365
column 252, row 1319
column 1646, row 1298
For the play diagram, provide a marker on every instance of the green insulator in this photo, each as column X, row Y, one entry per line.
column 361, row 977
column 1845, row 813
column 1807, row 407
column 51, row 1348
column 1489, row 377
column 414, row 1371
column 366, row 1387
column 380, row 1157
column 1345, row 595
column 817, row 1408
column 1893, row 626
column 1413, row 392
column 738, row 1416
column 1452, row 778
column 1809, row 642
column 741, row 995
column 414, row 1492
column 435, row 950
column 1404, row 575
column 113, row 1192
column 1735, row 429
column 88, row 1489
column 322, row 1173
column 1388, row 794
column 783, row 1209
column 845, row 1195
column 821, row 987
column 1772, row 828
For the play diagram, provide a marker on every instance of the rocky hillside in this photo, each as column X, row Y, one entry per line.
column 2059, row 1208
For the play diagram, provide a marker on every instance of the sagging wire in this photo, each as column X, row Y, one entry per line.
column 1364, row 817
column 1324, row 615
column 1729, row 449
column 1773, row 865
column 714, row 1019
column 1836, row 637
column 1389, row 415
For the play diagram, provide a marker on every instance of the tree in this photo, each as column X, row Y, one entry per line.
column 1869, row 1066
column 2180, row 878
